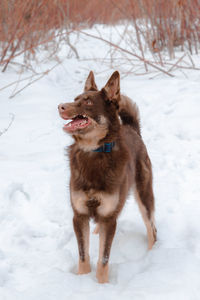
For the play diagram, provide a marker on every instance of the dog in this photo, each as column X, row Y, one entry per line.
column 107, row 160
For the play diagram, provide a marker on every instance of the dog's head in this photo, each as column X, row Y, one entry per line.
column 94, row 112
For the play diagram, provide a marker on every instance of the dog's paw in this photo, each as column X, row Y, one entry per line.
column 84, row 267
column 102, row 273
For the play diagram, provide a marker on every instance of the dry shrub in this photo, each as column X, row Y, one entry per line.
column 164, row 24
column 26, row 24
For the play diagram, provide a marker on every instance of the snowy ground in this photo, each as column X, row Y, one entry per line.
column 38, row 250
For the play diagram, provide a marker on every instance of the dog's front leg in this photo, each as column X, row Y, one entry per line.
column 81, row 228
column 107, row 229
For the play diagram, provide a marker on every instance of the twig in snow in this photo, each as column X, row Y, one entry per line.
column 176, row 64
column 16, row 81
column 28, row 84
column 11, row 121
column 190, row 58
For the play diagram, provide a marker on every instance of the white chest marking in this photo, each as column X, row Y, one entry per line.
column 108, row 202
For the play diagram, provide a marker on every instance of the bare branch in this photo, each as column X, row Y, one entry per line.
column 33, row 81
column 128, row 52
column 176, row 64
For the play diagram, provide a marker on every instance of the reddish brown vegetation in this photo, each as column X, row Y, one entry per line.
column 26, row 24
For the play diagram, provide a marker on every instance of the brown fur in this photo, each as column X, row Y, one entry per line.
column 100, row 182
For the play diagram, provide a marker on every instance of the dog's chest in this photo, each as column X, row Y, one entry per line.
column 93, row 173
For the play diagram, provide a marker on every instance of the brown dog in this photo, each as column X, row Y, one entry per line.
column 107, row 159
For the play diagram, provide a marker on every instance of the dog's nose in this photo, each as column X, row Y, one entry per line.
column 61, row 107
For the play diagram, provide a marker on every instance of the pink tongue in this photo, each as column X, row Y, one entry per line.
column 77, row 123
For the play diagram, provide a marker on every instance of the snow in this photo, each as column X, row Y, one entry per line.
column 38, row 249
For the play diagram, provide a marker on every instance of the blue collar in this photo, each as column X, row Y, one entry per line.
column 107, row 147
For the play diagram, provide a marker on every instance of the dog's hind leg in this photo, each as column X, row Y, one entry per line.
column 81, row 228
column 106, row 233
column 145, row 198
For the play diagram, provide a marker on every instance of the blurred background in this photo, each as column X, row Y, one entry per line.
column 151, row 31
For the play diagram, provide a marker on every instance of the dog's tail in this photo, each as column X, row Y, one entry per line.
column 129, row 113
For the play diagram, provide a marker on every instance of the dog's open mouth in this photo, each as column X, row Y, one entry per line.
column 78, row 122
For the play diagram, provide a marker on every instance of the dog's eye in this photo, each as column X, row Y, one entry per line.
column 88, row 102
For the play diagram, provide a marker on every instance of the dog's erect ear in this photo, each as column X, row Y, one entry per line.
column 90, row 84
column 112, row 87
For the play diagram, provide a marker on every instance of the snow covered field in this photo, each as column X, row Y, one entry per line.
column 38, row 250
